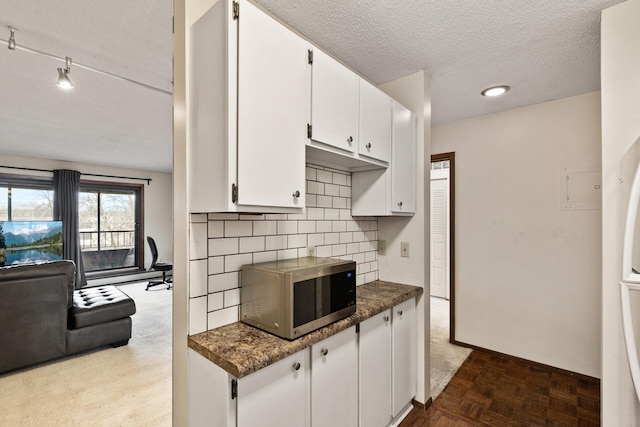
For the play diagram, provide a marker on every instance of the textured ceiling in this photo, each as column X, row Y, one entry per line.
column 546, row 49
column 102, row 120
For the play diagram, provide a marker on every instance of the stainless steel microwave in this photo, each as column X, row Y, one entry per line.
column 293, row 297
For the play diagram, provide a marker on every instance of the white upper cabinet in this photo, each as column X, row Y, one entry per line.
column 392, row 191
column 334, row 102
column 249, row 100
column 272, row 100
column 403, row 161
column 375, row 122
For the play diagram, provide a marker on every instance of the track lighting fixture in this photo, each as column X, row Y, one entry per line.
column 63, row 73
column 12, row 38
column 63, row 76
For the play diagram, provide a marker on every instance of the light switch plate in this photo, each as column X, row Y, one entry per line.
column 404, row 249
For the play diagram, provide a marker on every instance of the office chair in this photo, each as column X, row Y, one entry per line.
column 158, row 266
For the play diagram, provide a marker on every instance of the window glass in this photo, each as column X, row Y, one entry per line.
column 108, row 219
column 4, row 204
column 117, row 220
column 88, row 219
column 29, row 204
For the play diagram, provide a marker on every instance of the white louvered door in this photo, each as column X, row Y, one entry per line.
column 440, row 233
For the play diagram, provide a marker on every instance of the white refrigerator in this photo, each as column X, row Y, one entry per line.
column 630, row 283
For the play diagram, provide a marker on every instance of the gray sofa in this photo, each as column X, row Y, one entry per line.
column 42, row 316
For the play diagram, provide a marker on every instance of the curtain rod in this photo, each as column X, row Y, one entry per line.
column 81, row 173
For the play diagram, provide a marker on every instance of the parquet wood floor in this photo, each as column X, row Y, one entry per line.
column 490, row 390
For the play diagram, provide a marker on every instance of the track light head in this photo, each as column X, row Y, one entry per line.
column 12, row 38
column 63, row 76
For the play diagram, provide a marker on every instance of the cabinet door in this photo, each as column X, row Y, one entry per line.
column 273, row 74
column 403, row 160
column 210, row 402
column 334, row 102
column 334, row 381
column 403, row 355
column 375, row 122
column 374, row 354
column 276, row 395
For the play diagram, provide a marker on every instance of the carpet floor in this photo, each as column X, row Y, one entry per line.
column 125, row 386
column 446, row 358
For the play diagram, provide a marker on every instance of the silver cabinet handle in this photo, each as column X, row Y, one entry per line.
column 296, row 194
column 400, row 312
column 350, row 139
column 386, row 318
column 324, row 351
column 400, row 204
column 296, row 366
column 368, row 146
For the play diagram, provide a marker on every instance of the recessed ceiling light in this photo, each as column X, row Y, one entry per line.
column 495, row 90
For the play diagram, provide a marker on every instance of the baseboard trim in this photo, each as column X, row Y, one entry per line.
column 422, row 406
column 531, row 362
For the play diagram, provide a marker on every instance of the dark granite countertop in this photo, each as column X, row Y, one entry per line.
column 242, row 349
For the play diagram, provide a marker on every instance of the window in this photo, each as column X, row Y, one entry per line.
column 110, row 236
column 23, row 202
column 110, row 216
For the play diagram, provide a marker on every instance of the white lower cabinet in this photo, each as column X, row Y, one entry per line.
column 275, row 396
column 334, row 381
column 374, row 355
column 387, row 357
column 350, row 379
column 403, row 355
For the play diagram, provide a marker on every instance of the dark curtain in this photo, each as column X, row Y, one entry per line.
column 66, row 191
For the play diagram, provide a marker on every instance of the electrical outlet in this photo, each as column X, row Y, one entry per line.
column 404, row 249
column 382, row 246
column 311, row 251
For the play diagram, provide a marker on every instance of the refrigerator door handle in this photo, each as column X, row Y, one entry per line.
column 629, row 335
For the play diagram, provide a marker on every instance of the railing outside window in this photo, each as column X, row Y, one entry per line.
column 105, row 250
column 103, row 240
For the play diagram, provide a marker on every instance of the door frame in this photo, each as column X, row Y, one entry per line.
column 451, row 156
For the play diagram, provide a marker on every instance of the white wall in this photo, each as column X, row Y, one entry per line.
column 158, row 221
column 620, row 128
column 527, row 272
column 414, row 92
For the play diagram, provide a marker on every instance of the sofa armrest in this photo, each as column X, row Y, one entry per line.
column 33, row 320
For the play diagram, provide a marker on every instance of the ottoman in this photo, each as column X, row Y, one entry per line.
column 99, row 316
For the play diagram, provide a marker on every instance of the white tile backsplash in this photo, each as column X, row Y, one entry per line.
column 224, row 246
column 232, row 240
column 238, row 228
column 215, row 301
column 198, row 278
column 198, row 240
column 197, row 315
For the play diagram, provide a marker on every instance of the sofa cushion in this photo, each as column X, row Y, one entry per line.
column 99, row 305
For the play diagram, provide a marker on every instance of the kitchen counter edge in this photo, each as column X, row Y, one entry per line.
column 241, row 349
